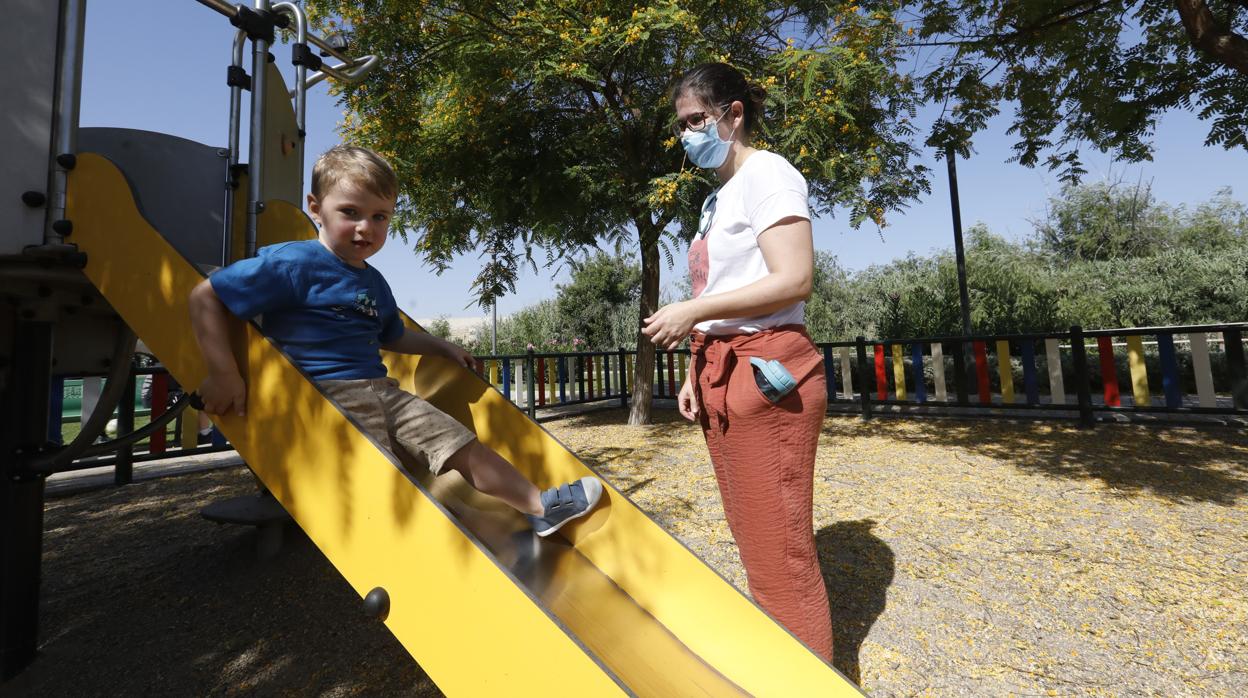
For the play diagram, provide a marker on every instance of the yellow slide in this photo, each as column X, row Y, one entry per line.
column 485, row 607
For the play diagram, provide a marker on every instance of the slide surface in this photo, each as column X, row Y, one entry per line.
column 615, row 606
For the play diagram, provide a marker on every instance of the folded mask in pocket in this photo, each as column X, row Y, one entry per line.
column 773, row 379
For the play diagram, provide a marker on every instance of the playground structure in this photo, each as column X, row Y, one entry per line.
column 107, row 230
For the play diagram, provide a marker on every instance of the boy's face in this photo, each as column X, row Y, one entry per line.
column 353, row 221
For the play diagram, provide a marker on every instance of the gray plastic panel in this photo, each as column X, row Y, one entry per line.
column 179, row 185
column 283, row 146
column 28, row 35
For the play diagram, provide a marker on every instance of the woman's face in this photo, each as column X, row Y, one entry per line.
column 692, row 111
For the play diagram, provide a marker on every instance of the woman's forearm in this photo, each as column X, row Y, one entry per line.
column 767, row 295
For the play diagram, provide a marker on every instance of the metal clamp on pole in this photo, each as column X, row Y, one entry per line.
column 260, row 23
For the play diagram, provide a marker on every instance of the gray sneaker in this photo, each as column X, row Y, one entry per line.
column 566, row 502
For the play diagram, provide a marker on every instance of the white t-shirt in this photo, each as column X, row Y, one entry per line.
column 766, row 190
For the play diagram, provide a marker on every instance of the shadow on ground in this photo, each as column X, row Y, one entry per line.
column 143, row 597
column 857, row 568
column 1180, row 464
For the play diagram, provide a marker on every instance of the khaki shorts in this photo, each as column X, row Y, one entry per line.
column 400, row 421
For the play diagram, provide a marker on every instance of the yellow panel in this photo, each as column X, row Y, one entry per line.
column 899, row 372
column 359, row 508
column 1139, row 372
column 681, row 366
column 493, row 372
column 279, row 222
column 1005, row 371
column 283, row 147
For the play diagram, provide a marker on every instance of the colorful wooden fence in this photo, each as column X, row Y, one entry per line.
column 1196, row 369
column 1184, row 369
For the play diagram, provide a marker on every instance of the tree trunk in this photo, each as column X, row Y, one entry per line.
column 643, row 373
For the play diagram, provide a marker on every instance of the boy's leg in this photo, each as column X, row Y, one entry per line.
column 427, row 433
column 488, row 472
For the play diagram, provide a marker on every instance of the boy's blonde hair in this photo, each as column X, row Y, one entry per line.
column 357, row 166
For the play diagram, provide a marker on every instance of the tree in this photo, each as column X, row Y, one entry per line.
column 1081, row 72
column 1105, row 220
column 601, row 287
column 544, row 124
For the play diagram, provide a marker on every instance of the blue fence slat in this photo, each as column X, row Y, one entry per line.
column 507, row 378
column 916, row 368
column 1170, row 384
column 1029, row 372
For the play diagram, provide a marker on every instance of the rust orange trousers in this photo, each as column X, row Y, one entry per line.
column 764, row 458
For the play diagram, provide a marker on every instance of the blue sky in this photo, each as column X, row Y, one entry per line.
column 161, row 66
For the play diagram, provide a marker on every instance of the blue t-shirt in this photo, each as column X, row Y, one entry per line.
column 327, row 315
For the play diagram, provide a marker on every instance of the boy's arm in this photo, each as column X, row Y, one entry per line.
column 223, row 388
column 413, row 342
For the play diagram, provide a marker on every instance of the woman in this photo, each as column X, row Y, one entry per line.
column 752, row 264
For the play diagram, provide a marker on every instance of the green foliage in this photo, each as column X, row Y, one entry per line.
column 602, row 293
column 1080, row 73
column 1105, row 221
column 542, row 126
column 595, row 311
column 440, row 327
column 1083, row 265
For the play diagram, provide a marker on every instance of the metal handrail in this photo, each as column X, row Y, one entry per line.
column 349, row 72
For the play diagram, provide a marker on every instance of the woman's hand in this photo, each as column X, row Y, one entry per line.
column 687, row 401
column 671, row 324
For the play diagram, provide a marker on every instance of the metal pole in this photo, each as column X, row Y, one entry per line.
column 964, row 296
column 236, row 108
column 23, row 433
column 225, row 8
column 530, row 372
column 494, row 328
column 1083, row 388
column 68, row 100
column 255, row 166
column 123, row 467
column 864, row 376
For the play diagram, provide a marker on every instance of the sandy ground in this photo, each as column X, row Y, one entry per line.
column 963, row 557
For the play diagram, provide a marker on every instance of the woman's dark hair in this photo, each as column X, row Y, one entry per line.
column 719, row 83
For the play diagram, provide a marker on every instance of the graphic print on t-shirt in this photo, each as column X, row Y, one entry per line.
column 699, row 265
column 364, row 305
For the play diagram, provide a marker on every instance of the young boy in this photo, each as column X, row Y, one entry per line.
column 332, row 313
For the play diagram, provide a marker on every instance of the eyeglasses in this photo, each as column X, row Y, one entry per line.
column 697, row 122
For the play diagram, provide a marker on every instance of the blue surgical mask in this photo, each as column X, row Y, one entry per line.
column 705, row 148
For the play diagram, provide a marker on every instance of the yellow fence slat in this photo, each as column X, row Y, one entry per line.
column 899, row 372
column 1139, row 371
column 1005, row 371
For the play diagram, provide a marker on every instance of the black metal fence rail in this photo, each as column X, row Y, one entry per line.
column 1195, row 369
